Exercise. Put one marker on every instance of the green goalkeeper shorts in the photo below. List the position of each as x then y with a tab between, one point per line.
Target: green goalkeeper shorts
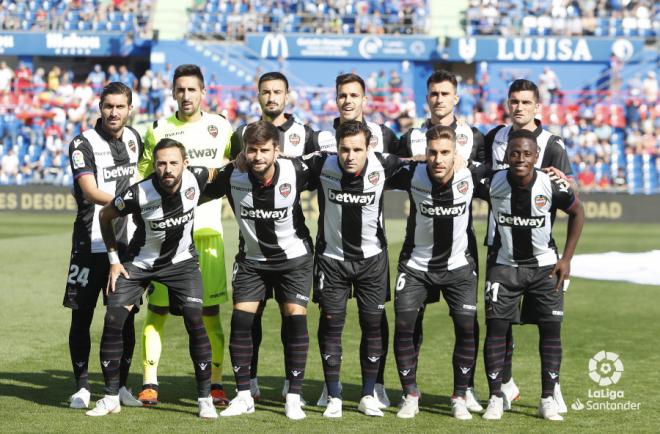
211	248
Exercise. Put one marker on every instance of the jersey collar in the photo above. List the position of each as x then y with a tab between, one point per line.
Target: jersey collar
104	135
290	120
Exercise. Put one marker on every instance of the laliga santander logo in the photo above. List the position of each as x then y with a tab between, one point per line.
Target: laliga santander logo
369	46
605	368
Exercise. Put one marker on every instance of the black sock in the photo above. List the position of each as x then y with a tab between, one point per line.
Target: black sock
284	340
464	354
112	347
494	352
128	336
508	358
550	351
405	351
331	326
200	349
476	351
295	350
80	344
240	347
256	342
385	338
418	334
371	350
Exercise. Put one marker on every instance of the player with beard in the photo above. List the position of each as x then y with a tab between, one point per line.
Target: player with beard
103	162
161	250
524	264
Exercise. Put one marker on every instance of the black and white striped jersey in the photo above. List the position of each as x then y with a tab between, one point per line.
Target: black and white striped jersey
523	217
296	138
469	141
113	163
552	152
270	218
164	221
439	218
350	206
383	138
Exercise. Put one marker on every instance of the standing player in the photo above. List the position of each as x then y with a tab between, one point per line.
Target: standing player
351	257
103	162
525	265
275	251
442	98
523	106
435	258
162	250
206	137
351	98
295	139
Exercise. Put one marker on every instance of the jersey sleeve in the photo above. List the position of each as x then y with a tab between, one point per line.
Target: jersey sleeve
201	175
128	201
401	179
81	157
391	163
556	156
488	145
229	135
236	144
404	149
145	165
481	174
311	145
563	196
478	146
390	141
310	166
325	141
220	185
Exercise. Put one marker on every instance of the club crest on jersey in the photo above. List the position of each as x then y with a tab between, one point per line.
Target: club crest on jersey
462	187
131	146
461	139
540	201
294	139
213	130
285	189
373	177
190	193
373	141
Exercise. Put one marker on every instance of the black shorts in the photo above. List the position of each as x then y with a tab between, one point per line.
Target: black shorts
290	281
183	281
507	286
415	288
87	277
336	281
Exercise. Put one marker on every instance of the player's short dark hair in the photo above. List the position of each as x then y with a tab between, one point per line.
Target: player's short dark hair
522	84
442	75
259	133
523	134
188	70
116	88
441	132
274	75
170	143
352	128
349	78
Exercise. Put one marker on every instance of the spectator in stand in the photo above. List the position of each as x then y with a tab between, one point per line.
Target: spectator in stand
127	77
6	77
9	167
395	82
650	88
54	78
39	81
549	85
96	79
23	78
113	75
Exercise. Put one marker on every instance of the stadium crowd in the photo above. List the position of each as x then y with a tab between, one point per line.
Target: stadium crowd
233	19
563	18
62	15
40	112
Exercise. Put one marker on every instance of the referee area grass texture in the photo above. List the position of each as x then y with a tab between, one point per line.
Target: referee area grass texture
36	378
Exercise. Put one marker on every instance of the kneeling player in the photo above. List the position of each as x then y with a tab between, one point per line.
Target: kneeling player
275	251
526	267
161	250
435	258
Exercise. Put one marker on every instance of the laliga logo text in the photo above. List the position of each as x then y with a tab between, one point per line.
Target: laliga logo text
605	369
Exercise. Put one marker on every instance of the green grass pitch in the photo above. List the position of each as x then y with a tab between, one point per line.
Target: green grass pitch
35	377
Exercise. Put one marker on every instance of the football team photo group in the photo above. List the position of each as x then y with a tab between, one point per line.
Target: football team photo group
148	237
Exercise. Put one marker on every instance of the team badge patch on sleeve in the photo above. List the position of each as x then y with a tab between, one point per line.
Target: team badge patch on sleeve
285	189
374	177
119	203
78	159
190	193
213	130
